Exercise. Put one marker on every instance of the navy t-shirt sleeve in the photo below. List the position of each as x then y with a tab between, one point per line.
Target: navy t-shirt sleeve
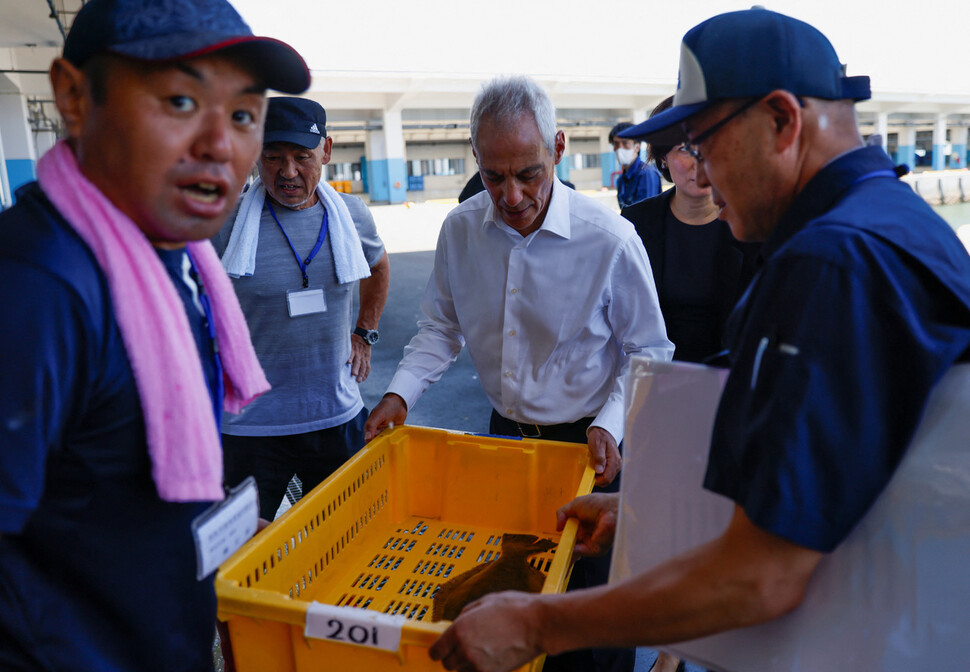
45	361
821	403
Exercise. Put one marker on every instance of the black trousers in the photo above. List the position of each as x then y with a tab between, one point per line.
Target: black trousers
587	572
273	460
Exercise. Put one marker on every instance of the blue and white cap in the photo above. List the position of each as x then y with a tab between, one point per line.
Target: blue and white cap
748	54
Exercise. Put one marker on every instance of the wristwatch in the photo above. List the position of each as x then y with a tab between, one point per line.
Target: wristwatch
370	336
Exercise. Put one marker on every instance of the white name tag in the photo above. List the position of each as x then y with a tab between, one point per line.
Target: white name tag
305	302
354	626
225	527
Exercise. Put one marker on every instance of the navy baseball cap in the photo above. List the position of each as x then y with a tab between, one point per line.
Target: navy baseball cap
748	54
298	120
175	30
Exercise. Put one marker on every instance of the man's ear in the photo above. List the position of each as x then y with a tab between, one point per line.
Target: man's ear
786	114
327	149
560	145
68	83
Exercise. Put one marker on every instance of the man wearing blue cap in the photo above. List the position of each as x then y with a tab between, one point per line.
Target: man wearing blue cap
862	302
297	250
112	387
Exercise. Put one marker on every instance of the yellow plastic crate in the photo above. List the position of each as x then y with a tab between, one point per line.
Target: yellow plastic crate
412	509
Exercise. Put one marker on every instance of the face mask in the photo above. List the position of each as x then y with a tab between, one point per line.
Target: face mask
625	156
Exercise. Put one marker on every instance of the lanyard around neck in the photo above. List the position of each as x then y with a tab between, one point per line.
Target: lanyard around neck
210	322
303	263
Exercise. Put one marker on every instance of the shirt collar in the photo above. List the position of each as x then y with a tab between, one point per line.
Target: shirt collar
633	168
824	190
557	215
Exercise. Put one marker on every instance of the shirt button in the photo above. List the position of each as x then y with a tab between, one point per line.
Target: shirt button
514	291
508	412
511	332
508	374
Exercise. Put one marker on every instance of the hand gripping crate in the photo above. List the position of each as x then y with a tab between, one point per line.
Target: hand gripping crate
361	556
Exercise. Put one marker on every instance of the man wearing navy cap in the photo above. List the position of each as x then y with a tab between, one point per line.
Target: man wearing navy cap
297	250
861	304
112	387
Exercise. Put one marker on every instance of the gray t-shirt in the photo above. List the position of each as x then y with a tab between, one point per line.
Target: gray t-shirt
305	357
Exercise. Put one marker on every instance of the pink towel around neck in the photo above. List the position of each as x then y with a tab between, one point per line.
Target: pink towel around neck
183	440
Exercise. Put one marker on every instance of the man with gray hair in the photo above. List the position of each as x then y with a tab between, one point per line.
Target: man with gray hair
551	291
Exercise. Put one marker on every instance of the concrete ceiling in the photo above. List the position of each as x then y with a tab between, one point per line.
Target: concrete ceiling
29	23
30	37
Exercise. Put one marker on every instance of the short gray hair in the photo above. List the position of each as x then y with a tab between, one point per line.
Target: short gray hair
504	99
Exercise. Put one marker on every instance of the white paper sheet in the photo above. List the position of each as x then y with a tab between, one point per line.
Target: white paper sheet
894	596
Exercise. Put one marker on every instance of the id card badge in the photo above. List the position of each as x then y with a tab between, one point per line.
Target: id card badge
225	527
305	302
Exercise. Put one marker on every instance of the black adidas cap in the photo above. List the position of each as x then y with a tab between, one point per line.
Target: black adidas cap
298	120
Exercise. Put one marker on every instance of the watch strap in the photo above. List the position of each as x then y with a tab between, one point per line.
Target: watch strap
370	336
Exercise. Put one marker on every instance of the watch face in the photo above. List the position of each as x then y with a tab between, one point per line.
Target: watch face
370	336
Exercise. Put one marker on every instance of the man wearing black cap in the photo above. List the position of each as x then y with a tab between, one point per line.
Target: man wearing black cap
861	304
112	386
296	250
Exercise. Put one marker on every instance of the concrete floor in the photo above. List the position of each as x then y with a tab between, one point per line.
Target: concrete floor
457	400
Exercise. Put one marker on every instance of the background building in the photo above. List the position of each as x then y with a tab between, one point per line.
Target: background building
398	80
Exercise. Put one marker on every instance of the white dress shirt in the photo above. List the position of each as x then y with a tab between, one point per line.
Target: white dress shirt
550	319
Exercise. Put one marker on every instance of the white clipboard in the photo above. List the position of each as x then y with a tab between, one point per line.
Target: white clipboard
894	596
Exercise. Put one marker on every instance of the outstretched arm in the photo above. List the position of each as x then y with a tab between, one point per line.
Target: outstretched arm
744	577
391	410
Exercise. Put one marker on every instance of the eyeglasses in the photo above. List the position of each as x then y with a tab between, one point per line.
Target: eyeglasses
692	147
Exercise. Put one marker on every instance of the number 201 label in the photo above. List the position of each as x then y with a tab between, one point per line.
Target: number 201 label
354	626
358	634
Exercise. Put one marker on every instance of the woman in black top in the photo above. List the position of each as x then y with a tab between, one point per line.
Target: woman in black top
700	269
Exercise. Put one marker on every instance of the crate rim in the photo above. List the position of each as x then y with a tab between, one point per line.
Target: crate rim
261	604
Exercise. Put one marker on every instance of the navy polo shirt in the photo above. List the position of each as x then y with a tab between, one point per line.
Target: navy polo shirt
96	572
637	182
861	305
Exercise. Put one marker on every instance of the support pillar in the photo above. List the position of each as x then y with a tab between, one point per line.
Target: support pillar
939	142
44	140
882	128
18	154
386	173
608	164
6	198
958	141
643	114
906	146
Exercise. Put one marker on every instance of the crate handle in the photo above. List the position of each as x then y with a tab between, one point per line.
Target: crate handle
563	557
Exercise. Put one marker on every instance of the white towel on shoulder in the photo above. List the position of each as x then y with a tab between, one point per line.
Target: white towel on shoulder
239	259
